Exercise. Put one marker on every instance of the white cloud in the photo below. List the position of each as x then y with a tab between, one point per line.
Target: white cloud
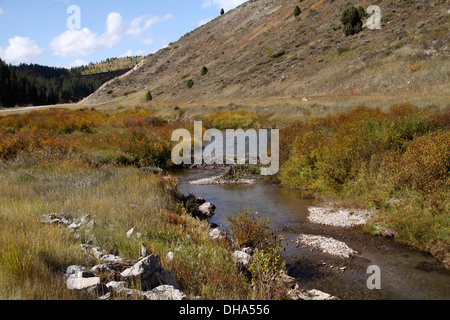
130	53
142	23
225	4
205	21
76	43
78	63
21	50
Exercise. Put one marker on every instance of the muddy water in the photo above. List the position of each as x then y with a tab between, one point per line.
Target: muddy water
405	273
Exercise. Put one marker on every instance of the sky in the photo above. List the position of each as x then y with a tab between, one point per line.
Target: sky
69	33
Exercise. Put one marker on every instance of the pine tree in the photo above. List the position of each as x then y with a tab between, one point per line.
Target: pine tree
148	96
297	11
222	12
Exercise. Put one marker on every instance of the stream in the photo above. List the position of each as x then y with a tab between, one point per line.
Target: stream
405	273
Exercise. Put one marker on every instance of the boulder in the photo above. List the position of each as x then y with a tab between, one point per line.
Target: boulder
71	270
216	234
117	288
242	261
149	274
163	277
241	257
206	211
164	292
143	268
92	285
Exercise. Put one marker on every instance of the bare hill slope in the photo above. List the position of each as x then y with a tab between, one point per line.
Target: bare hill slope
261	52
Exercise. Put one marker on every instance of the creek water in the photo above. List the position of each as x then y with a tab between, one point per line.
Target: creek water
405	273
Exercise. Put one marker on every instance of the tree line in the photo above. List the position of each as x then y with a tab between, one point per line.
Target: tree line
36	85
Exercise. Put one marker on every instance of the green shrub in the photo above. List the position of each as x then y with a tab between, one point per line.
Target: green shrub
204	71
297	11
248	230
361	12
190	83
352	21
148	96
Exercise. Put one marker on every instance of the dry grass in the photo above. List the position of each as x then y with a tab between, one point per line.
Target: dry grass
33	256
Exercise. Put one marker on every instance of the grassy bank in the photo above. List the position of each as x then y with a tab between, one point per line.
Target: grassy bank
75	163
367	156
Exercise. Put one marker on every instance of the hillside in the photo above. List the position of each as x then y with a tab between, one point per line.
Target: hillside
33	84
109	65
259	54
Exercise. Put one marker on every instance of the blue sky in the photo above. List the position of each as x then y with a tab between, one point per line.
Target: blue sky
44	32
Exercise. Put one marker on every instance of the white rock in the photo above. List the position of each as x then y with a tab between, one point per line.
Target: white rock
165	292
242	257
216	234
146	266
327	245
76	283
345	218
130	233
102	268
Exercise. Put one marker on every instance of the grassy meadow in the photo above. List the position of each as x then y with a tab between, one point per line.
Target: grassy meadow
83	162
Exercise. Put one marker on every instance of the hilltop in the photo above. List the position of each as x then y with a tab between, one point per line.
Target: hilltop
259	54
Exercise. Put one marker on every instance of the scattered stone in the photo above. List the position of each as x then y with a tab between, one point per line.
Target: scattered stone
311	295
326	245
130	233
169	257
54	219
345	218
149	274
